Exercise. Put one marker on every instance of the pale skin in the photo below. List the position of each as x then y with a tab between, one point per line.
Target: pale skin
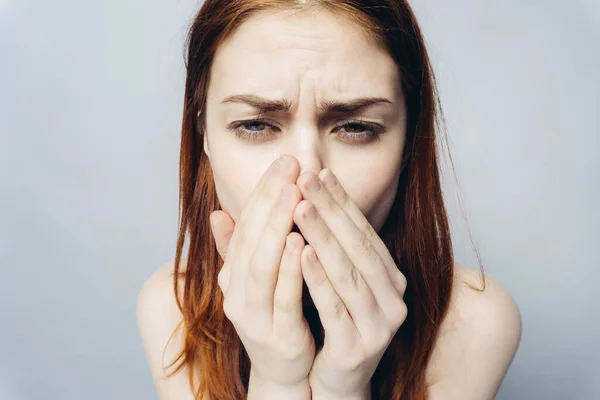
354	283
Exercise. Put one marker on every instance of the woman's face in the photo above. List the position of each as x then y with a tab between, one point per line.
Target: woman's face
307	61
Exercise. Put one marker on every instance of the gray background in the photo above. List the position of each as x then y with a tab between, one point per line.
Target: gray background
90	110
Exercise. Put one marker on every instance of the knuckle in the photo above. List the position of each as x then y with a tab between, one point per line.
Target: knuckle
289	351
322	283
400	281
363	242
354	275
221	279
384	338
230	309
292	353
348	277
370	232
255	333
344	198
353	361
275	226
338	309
327	237
284	305
398	312
330	204
259	271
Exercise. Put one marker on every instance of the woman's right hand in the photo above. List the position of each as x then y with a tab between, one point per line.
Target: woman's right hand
262	282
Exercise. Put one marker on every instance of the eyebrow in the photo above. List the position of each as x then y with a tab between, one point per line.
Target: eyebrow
326	106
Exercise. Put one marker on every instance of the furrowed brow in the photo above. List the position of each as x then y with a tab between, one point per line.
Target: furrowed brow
326	106
351	106
261	104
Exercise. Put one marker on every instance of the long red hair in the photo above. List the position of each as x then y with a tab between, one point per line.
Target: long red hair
416	231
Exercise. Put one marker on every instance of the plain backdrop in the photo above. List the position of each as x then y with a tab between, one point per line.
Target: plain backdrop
90	111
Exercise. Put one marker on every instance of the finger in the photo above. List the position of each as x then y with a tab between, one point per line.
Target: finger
356	243
222	227
254	218
263	268
346	279
333	313
287	300
340	196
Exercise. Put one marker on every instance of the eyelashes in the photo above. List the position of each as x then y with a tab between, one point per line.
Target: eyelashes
355	131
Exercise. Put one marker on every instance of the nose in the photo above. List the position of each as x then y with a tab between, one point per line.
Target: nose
305	144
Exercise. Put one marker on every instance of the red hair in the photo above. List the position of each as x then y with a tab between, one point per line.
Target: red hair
416	231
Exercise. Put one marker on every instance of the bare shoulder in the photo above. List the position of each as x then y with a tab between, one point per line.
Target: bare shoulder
159	320
477	341
156	302
474	297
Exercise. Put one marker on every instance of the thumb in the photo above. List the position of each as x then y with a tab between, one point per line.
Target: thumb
222	226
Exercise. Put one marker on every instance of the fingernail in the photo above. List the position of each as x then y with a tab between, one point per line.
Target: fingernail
281	164
313	184
329	179
311	213
312	257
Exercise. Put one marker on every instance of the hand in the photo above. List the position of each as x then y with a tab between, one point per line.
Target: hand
354	283
262	284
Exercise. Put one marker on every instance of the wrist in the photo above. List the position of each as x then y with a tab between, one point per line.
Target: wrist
320	393
263	389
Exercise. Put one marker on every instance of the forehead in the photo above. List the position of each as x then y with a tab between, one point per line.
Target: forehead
279	53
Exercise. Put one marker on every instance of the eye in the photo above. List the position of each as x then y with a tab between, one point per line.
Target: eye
253	130
354	131
359	131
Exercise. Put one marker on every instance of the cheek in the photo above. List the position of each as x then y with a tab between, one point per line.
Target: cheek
235	171
373	190
234	185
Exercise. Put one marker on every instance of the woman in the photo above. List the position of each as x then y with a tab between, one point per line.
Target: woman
327	274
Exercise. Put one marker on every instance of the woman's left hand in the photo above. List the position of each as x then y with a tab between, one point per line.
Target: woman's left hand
354	283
